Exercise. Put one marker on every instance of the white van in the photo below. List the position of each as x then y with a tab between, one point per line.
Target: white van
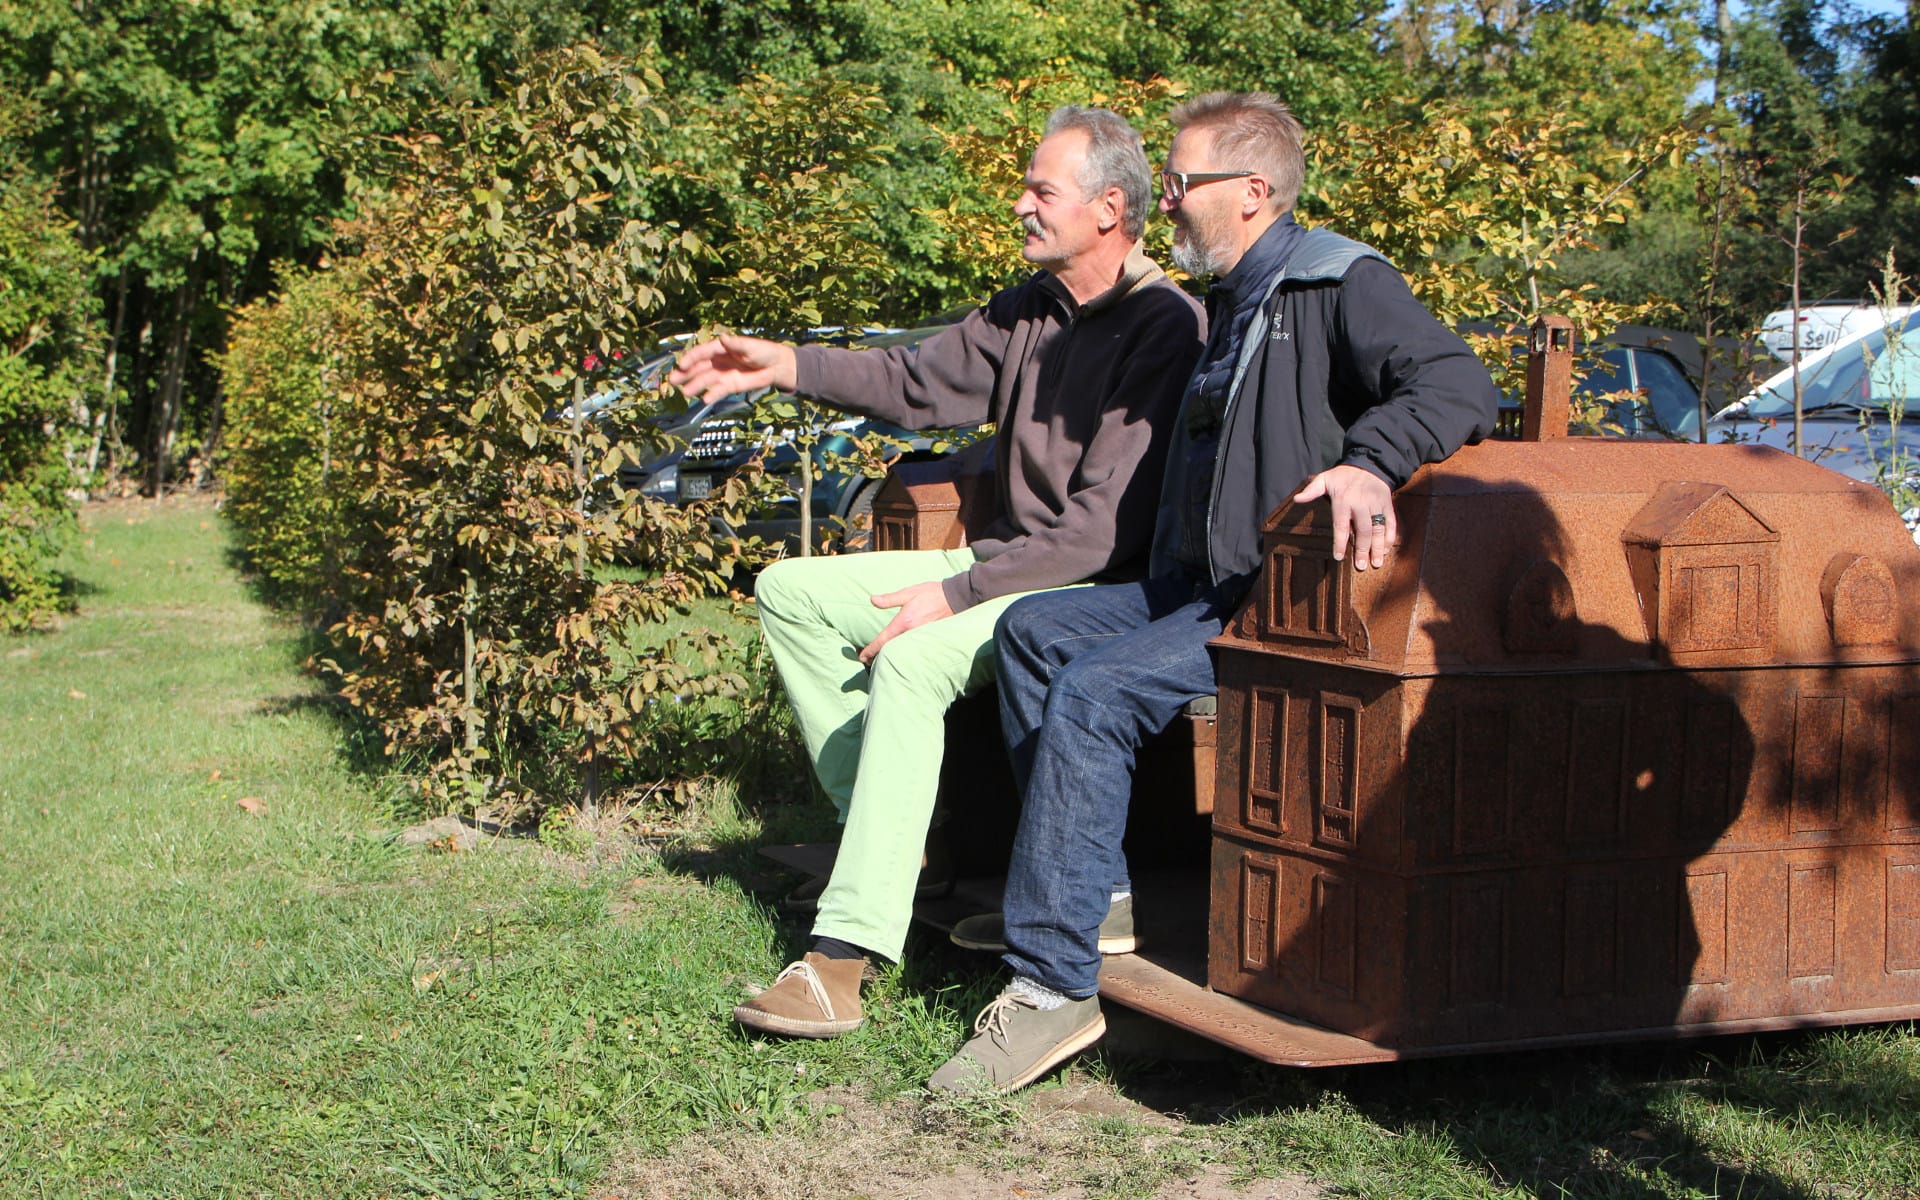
1822	325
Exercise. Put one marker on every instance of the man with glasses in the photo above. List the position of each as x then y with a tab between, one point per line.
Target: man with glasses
1080	369
1322	378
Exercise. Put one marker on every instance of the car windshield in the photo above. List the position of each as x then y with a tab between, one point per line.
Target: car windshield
1646	391
1865	373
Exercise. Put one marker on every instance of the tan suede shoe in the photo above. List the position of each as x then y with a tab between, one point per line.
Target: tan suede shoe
817	997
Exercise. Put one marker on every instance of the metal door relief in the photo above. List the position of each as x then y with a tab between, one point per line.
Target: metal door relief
1903	765
1479	957
1903	913
1337	927
1596	796
1260	900
1819	736
1307	590
1337	781
1704	921
1482	819
1811	927
1707	796
1267	725
1590	939
1718	599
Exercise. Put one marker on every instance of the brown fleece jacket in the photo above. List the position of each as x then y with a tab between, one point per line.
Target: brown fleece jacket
1082	398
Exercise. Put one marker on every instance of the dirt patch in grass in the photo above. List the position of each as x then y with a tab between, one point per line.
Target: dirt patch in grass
1056	1144
146	506
633	901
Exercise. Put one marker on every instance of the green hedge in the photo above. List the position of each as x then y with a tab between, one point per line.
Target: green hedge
280	459
46	325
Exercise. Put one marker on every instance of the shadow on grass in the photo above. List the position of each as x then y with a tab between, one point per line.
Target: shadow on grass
1678	1119
732	852
357	742
940	979
69	590
288	598
1596	1122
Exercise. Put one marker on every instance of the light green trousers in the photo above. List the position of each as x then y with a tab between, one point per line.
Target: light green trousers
875	735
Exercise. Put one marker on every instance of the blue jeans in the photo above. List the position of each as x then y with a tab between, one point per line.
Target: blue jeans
1086	677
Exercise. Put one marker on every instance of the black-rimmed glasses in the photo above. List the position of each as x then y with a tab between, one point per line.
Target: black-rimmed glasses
1174	184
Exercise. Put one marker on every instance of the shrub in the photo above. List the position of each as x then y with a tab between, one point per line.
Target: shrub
47	327
798	233
481	629
280	458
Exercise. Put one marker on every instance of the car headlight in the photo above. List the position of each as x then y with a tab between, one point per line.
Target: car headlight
664	484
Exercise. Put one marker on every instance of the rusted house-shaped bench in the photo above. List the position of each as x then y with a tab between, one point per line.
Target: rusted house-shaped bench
1623	743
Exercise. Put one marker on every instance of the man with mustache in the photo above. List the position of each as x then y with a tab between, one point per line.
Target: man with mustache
1322	378
1080	369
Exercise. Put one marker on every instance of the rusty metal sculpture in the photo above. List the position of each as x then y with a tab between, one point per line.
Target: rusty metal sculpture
1626	740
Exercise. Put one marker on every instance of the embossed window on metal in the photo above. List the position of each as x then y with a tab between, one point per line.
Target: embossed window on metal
1706	569
1306	593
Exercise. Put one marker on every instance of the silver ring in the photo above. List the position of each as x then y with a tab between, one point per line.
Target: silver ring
1379	518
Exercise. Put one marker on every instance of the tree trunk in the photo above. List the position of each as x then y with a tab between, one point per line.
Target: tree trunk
166	423
1710	284
103	421
168	408
469	687
217	407
806	501
580	474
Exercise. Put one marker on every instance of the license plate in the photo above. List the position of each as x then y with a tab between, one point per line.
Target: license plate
696	487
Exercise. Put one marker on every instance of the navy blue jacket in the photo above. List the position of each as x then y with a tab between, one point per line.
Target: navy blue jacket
1340	364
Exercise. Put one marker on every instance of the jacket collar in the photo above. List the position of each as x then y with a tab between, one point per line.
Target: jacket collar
1262	261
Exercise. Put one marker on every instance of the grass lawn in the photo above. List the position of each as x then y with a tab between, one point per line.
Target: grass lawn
222	975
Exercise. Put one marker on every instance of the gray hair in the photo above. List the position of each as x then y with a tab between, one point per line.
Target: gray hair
1252	131
1115	158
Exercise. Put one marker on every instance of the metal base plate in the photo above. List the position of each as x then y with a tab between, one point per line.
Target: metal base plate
1167	980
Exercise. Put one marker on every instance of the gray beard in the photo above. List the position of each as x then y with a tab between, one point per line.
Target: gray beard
1193	258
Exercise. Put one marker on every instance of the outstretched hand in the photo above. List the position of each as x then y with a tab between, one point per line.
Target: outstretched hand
921	604
732	363
1358	497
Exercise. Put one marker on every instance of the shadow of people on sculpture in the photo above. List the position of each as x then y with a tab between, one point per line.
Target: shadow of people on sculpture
1475	814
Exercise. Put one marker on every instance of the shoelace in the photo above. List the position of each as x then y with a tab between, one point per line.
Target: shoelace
992	1021
815	988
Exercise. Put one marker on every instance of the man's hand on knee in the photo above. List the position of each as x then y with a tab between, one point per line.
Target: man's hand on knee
921	604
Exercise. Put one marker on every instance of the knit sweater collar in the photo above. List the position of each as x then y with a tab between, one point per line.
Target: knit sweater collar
1136	271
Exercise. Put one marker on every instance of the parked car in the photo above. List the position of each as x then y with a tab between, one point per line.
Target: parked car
657	475
1665	400
1660	367
1859	401
725	438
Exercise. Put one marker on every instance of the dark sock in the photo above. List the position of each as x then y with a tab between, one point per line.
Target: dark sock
834	948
